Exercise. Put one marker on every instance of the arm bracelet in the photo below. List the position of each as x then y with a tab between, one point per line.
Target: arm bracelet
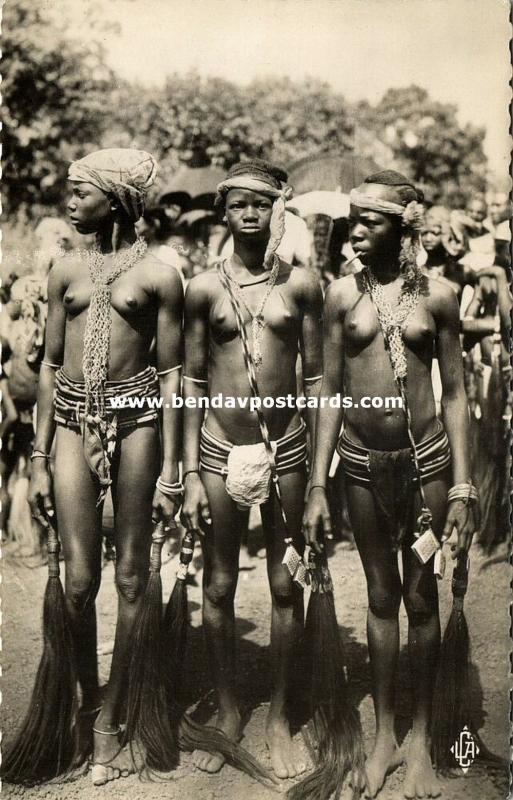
39	454
463	491
190	472
167	371
169	489
199	381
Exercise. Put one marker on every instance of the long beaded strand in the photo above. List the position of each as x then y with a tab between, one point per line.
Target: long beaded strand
257	318
392	320
99	319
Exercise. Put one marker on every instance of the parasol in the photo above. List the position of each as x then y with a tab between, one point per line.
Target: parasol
332	204
190	217
197	185
329	172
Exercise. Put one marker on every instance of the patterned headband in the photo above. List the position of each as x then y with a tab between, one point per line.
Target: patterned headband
412	213
277	223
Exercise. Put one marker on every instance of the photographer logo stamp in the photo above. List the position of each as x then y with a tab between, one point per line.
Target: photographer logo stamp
465	749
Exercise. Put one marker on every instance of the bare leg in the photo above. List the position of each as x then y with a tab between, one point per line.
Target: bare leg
286	620
79	524
421	601
221	545
134	482
384	593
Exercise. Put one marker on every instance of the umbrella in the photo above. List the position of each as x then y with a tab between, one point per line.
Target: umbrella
329	172
190	217
332	204
197	184
181	199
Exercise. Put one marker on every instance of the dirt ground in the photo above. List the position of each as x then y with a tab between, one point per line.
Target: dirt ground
487	610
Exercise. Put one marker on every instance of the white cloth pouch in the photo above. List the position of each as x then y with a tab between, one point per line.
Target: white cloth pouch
248	480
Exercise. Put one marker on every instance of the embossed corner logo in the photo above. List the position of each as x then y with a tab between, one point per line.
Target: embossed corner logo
465	749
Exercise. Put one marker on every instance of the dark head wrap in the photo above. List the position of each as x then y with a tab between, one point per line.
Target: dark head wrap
409	209
262	177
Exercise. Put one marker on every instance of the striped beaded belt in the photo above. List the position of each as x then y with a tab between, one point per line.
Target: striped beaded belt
434	455
70	399
99	430
291	451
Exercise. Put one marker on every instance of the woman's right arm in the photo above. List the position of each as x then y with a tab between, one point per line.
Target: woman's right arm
195	387
40	497
328	420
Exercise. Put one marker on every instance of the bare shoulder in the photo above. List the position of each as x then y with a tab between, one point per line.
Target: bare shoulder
344	292
442	298
299	276
163	276
202	287
204	283
302	280
63	270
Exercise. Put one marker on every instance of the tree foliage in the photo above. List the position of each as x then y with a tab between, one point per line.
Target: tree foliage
194	120
53	92
428	143
60	101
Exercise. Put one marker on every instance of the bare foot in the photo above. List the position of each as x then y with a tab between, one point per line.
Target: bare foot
106	743
110	761
384	758
420	780
286	762
229	723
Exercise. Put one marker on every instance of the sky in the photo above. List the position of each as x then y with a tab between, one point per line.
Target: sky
457	49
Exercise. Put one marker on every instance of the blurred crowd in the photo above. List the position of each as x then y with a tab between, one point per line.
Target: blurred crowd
469	248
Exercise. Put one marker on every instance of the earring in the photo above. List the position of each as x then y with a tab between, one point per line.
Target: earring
225	219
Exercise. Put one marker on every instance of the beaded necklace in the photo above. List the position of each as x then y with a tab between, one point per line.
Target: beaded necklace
257	318
393	320
99	319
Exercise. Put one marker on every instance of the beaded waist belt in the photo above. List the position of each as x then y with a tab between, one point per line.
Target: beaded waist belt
433	453
70	398
99	431
291	451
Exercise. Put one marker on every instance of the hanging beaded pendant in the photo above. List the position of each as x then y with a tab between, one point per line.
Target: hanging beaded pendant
392	320
257	319
99	318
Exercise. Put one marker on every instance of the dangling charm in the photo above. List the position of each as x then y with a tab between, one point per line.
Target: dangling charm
257	318
257	326
291	558
426	544
294	563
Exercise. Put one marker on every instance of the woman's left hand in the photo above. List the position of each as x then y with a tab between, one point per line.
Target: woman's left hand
465	516
165	508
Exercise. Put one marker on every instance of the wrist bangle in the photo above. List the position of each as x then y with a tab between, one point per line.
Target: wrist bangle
317	486
190	472
169	489
38	454
463	491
